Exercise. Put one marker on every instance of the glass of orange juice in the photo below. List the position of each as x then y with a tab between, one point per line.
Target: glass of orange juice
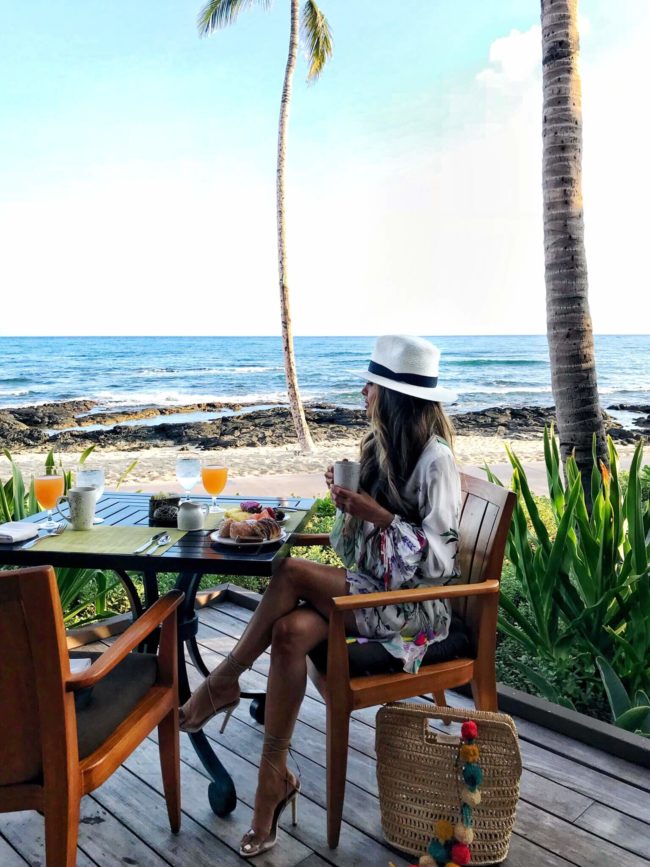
214	478
48	487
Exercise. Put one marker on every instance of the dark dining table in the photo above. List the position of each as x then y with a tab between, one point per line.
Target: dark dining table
191	557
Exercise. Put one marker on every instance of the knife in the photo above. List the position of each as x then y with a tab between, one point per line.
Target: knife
148	543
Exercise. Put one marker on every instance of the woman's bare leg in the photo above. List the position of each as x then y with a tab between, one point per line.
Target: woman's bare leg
294	581
293	636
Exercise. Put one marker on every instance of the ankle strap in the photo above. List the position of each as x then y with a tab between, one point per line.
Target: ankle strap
273	745
237	667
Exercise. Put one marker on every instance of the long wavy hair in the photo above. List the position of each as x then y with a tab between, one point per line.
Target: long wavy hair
400	428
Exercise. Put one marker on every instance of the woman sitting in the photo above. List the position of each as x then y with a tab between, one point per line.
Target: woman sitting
399	531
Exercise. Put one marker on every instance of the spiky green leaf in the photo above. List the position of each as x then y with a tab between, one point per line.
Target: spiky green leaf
317	35
619	700
221	13
85	454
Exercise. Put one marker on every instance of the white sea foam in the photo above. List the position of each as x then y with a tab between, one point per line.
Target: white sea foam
165	372
504	389
168	398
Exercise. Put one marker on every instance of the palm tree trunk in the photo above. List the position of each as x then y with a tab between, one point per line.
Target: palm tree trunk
298	413
569	330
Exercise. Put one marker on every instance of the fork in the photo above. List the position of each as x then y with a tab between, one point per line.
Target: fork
60	527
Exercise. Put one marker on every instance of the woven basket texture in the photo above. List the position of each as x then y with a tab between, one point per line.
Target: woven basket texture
419	772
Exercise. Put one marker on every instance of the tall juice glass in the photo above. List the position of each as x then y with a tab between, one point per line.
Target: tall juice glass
47	488
214	480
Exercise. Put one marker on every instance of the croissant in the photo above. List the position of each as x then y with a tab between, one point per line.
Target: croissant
224	530
271	528
251	531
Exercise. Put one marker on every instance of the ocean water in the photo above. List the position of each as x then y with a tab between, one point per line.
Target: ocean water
133	372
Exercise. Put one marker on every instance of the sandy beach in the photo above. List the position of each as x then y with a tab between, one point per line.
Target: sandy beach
282	470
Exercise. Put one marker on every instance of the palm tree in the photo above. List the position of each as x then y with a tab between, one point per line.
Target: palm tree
569	331
318	38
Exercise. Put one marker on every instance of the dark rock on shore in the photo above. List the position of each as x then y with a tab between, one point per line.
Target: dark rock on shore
26	428
264	427
525	423
642	422
52	415
632	407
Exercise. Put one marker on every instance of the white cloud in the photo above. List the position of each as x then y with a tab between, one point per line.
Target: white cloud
442	236
516	57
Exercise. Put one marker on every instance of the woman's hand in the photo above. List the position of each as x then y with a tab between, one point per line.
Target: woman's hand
329	476
361	505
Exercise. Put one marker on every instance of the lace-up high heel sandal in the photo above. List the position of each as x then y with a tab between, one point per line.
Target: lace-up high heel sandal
254	843
204	701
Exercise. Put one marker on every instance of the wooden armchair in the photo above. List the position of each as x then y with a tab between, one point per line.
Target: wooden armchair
340	671
51	752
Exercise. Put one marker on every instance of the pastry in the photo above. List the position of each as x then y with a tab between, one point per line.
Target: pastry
252	530
270	527
224	530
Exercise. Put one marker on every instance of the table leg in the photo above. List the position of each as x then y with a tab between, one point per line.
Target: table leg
134	598
221	791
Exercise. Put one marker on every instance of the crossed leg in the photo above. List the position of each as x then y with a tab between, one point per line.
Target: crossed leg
295	581
292	632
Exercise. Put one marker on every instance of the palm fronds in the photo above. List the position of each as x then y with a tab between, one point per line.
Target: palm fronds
318	36
221	13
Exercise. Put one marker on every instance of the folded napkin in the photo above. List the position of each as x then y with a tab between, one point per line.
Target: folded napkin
17	531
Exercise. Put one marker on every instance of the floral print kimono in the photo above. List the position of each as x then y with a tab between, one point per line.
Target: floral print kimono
406	555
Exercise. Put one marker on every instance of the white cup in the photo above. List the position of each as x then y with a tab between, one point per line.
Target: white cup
81	502
191	516
347	474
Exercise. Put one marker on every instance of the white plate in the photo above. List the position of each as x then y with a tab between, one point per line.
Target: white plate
252	544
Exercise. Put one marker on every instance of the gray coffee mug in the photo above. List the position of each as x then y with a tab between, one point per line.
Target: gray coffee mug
81	502
347	474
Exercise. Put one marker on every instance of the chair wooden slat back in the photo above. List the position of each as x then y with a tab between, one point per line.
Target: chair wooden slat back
32	644
20	753
485	518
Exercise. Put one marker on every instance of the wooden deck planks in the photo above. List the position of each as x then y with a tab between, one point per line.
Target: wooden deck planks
8	855
25	832
561	787
578	806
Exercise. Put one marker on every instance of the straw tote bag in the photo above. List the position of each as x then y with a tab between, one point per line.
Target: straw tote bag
420	776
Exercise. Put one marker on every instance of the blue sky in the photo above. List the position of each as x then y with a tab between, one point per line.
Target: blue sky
137	163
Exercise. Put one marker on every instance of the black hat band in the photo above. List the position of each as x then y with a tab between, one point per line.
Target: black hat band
407	378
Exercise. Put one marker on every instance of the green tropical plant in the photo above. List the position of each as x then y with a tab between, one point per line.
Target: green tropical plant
634	716
585	581
317	36
18	501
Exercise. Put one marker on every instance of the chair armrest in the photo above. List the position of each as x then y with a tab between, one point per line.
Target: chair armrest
308	539
423	594
134	635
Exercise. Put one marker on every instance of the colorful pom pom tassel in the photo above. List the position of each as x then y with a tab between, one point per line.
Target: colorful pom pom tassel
469	753
473	776
460	854
444	830
466	814
463	834
427	861
471	798
438	852
469	730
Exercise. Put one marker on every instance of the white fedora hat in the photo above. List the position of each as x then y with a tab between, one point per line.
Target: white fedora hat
408	365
